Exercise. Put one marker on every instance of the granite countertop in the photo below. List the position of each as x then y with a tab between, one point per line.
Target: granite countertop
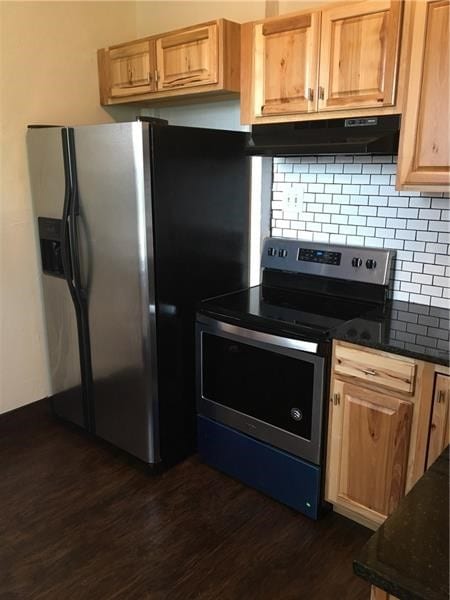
409	554
414	330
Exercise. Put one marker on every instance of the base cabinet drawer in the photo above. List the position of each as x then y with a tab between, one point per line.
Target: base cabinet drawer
389	372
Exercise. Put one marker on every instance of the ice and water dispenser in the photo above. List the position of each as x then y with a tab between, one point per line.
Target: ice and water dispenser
50	231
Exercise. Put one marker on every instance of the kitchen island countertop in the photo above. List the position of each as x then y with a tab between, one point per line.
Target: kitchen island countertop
408	556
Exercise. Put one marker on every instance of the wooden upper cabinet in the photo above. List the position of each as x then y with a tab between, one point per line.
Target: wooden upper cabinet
131	69
359	53
439	428
424	151
342	59
195	61
286	65
368	450
188	58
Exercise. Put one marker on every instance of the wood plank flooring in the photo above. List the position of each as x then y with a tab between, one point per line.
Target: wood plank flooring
79	521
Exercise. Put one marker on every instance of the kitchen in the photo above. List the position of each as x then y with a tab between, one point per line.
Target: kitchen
59	71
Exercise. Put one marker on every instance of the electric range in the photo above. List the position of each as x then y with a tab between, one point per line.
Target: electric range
263	362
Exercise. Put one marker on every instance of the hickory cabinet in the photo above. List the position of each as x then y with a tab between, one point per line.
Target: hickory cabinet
439	428
379	435
316	64
202	60
424	151
131	69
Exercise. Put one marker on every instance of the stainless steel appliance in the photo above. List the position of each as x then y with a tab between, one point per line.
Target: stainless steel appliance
263	361
136	223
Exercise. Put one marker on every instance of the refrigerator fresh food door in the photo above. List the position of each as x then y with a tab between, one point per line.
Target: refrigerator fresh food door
116	248
48	188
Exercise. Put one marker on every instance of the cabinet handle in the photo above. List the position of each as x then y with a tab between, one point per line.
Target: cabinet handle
310	94
321	92
369	372
441	396
156	76
336	399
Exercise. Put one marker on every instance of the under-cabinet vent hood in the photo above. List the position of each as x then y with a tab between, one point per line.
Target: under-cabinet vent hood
366	135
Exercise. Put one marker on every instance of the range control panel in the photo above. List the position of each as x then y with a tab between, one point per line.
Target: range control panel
319	256
370	265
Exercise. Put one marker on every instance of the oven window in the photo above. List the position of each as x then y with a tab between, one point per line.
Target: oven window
272	387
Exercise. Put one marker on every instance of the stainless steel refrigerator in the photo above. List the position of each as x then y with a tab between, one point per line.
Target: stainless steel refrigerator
136	223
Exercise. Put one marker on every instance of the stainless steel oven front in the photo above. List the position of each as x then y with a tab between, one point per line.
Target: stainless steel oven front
270	387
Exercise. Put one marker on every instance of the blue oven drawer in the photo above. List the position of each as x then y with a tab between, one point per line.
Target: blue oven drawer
286	478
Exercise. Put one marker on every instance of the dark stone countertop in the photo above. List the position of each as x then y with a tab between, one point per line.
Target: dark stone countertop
409	554
413	330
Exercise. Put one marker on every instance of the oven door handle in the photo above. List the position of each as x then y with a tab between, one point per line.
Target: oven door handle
259	336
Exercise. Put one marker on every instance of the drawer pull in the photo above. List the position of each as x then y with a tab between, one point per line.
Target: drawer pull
369	372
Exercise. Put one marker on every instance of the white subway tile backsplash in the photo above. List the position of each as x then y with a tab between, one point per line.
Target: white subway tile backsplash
429	213
349	210
404	234
380	179
373	242
370	190
340	219
372	169
367	211
443	225
337	239
353	168
350	189
434	269
442	281
427	236
420	202
376	221
352	200
437	248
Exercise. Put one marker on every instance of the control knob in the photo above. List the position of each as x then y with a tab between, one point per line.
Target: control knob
371	263
356	262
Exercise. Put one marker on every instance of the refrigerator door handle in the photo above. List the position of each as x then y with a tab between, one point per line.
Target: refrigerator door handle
71	263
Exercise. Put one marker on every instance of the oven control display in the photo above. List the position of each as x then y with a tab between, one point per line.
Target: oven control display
319	256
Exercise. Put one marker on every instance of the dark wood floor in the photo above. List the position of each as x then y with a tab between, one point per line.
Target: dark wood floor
78	521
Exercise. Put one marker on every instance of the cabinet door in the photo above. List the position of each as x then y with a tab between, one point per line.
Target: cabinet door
368	450
359	54
439	429
189	58
424	151
131	69
285	67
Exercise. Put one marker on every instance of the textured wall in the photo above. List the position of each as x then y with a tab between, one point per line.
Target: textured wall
48	75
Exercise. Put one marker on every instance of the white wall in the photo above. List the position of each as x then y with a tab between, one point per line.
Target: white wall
48	75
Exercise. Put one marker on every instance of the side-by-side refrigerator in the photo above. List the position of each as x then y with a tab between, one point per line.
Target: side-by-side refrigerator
136	223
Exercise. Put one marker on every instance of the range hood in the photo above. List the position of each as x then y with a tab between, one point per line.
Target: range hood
367	135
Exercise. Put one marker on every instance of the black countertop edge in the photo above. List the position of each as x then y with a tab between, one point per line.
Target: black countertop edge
408	556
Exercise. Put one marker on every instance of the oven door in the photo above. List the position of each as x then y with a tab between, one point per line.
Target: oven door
267	386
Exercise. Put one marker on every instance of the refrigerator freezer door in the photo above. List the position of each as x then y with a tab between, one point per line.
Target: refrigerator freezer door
46	168
115	230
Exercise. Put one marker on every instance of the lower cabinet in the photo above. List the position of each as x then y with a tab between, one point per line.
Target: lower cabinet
377	594
379	436
439	429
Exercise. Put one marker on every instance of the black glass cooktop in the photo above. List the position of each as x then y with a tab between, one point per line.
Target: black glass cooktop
314	316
